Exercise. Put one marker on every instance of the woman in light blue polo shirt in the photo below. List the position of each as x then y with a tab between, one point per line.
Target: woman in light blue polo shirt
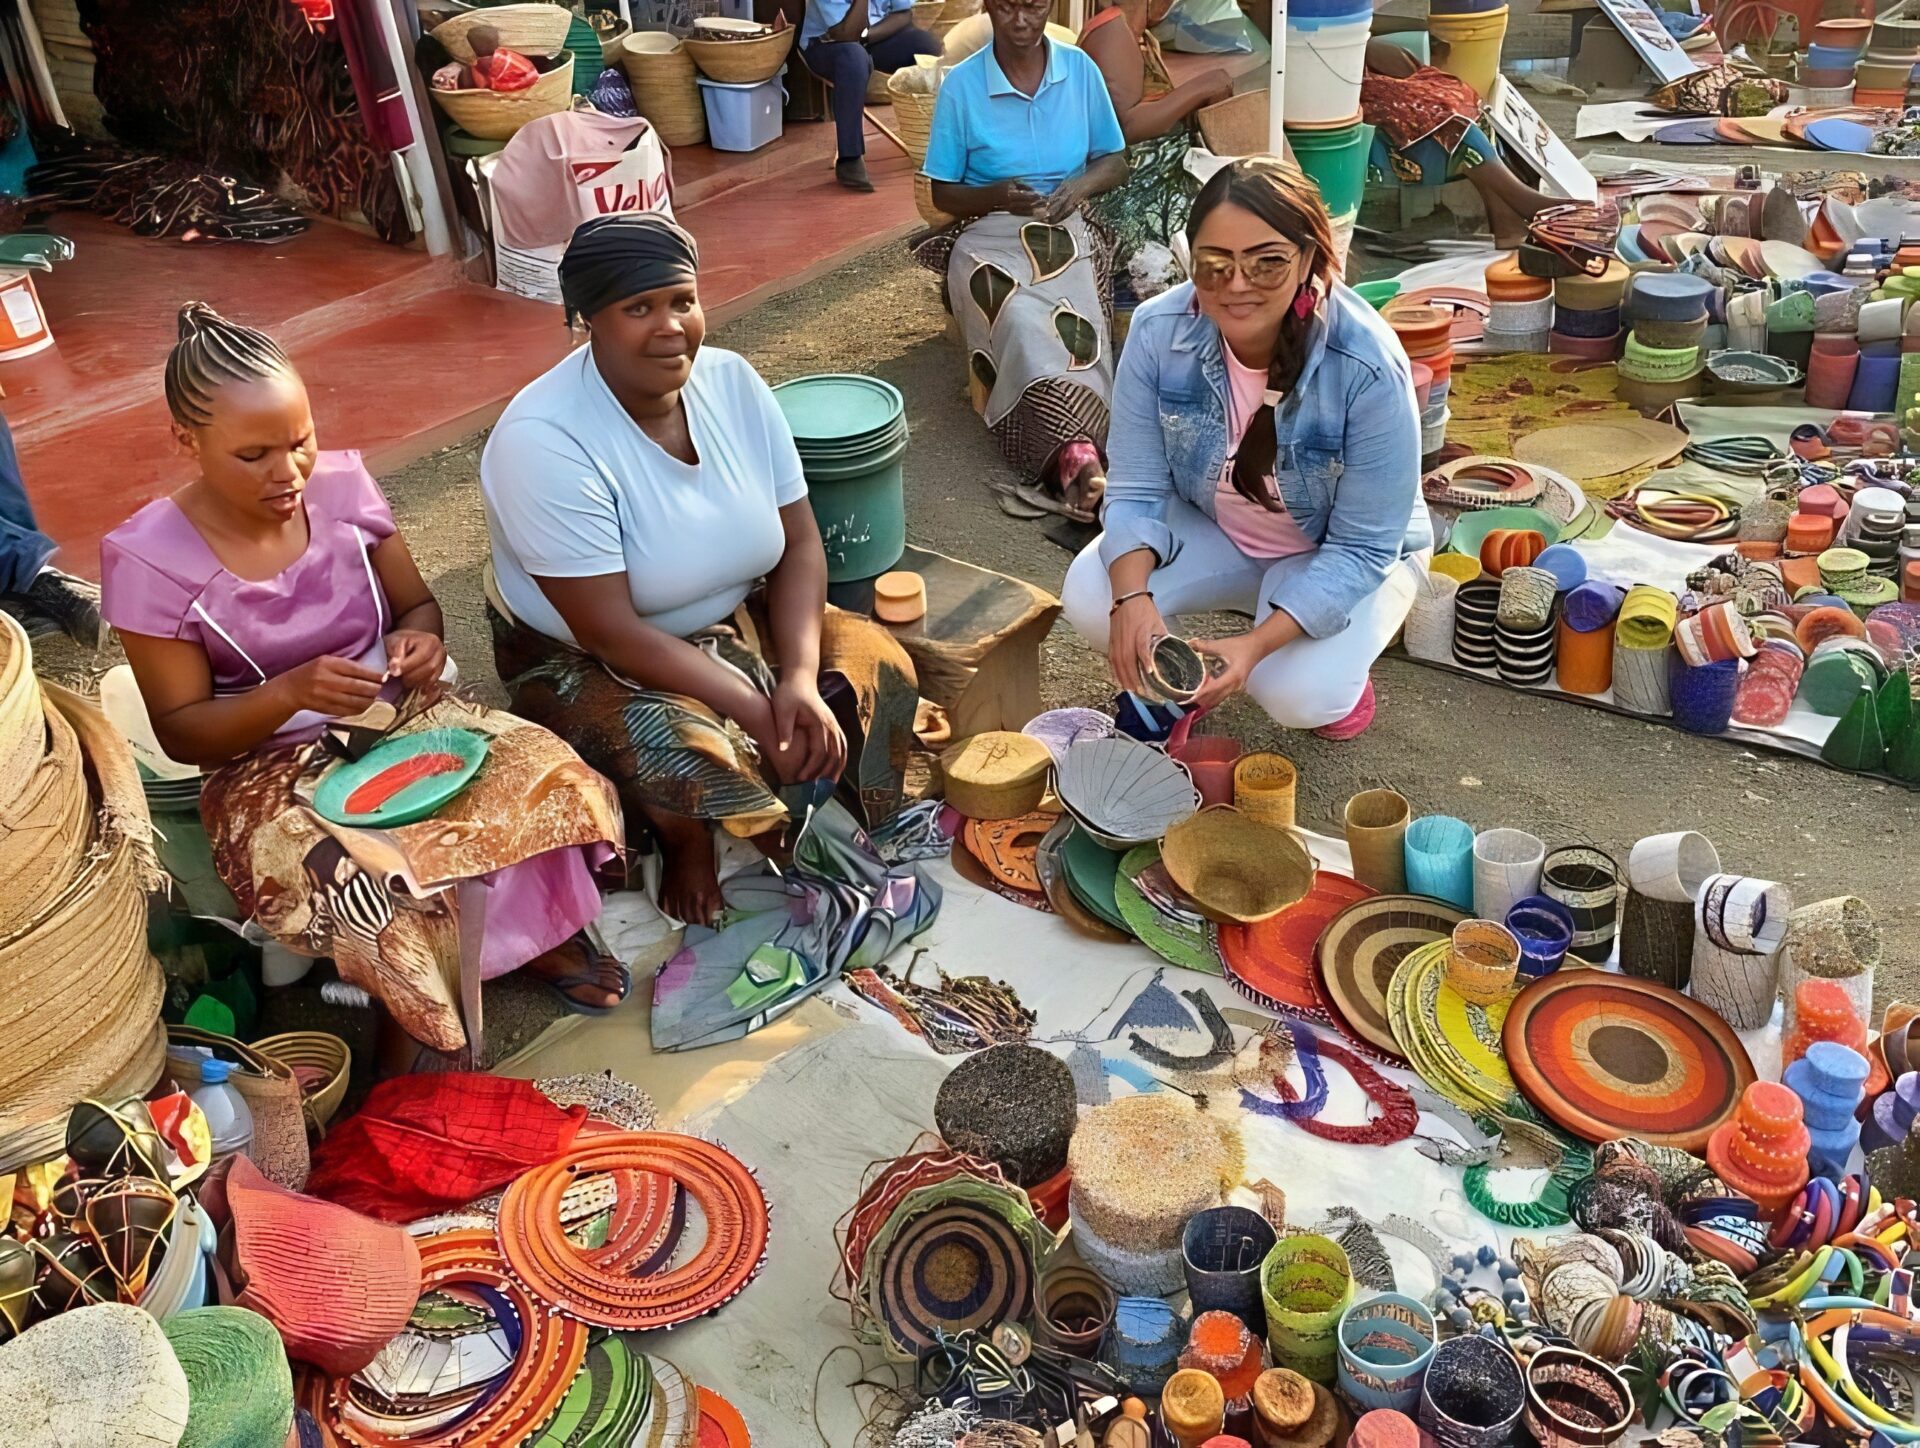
1024	134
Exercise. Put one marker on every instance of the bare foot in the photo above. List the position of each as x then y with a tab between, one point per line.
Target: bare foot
1082	495
689	879
1509	227
587	979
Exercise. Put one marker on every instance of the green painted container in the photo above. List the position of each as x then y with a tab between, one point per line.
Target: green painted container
1378	294
851	434
1337	161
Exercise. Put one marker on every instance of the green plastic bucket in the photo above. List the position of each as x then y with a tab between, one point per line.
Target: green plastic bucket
1378	294
851	434
1337	161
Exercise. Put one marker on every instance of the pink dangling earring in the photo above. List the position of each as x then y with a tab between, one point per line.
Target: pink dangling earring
1303	301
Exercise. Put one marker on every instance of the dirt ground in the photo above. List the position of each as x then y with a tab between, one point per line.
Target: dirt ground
1451	745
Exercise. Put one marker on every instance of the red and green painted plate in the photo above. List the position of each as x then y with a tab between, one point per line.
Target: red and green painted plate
401	780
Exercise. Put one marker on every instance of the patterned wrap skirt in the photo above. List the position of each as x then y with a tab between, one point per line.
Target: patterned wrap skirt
405	913
1034	302
672	754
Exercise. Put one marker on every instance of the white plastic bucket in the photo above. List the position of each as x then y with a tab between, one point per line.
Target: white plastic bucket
23	322
1325	63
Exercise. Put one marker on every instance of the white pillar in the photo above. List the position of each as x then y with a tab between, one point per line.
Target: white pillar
1277	80
436	231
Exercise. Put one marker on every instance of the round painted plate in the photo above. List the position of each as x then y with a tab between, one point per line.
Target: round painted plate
1359	952
721	1425
1059	890
1172	930
1091	869
1271	963
1471	530
956	1266
1453	1043
1838	134
401	780
1607	1055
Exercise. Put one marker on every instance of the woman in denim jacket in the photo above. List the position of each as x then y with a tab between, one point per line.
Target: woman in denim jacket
1265	460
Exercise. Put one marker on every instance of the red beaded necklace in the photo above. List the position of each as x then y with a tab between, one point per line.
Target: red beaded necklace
1398	1118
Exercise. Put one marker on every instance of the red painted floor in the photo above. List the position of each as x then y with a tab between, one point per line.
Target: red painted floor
400	354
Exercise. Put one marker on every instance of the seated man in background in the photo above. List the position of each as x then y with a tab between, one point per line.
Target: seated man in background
42	597
845	42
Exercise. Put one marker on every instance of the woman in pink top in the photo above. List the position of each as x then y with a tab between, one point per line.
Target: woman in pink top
273	596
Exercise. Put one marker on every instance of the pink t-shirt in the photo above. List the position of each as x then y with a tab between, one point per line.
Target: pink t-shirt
1254	531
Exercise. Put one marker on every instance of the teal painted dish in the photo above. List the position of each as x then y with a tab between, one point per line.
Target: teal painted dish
1164	919
402	780
1470	529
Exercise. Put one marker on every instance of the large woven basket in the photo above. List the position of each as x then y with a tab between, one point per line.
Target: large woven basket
314	1051
530	29
81	993
912	117
666	87
23	737
497	115
45	828
613	45
926	13
742	62
1234	867
923	202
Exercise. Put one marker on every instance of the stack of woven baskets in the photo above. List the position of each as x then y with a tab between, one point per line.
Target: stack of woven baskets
79	993
666	88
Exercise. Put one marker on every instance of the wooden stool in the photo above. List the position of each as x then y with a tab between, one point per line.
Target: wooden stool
977	650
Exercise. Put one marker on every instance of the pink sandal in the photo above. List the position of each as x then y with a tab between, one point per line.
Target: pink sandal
1356	723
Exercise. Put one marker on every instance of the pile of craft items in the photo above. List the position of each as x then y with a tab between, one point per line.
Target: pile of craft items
1062	1263
467	1259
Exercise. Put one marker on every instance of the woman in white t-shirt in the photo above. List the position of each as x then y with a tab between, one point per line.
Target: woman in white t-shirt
658	587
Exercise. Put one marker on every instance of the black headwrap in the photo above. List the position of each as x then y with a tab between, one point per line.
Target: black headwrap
613	257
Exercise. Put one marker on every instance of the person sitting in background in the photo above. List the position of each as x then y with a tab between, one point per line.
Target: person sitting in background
1156	118
845	42
1426	127
1266	461
36	593
1023	137
274	595
659	588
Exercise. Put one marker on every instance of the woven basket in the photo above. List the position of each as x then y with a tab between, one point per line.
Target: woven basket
44	829
272	1094
319	1051
497	115
1264	788
1430	622
613	46
742	62
1236	869
923	202
997	775
666	87
23	738
530	29
926	13
912	117
82	992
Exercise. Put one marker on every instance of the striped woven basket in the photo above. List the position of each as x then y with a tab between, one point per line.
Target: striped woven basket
311	1056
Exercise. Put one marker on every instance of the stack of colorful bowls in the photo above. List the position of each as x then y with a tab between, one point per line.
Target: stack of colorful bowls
1426	336
1334	154
1667	317
1520	310
1586	314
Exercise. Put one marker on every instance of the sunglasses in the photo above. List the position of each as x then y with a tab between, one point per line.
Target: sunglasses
1213	271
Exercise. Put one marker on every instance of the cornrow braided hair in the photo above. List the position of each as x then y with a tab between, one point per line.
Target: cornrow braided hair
210	353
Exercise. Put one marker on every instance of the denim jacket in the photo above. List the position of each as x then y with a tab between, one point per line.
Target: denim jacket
1347	465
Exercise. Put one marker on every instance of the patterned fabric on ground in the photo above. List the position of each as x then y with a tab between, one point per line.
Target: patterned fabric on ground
1497	400
384	903
785	933
671	753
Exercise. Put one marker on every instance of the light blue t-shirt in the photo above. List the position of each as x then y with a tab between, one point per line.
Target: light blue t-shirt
985	130
823	15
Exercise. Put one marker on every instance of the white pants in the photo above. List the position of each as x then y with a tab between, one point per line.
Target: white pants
1302	685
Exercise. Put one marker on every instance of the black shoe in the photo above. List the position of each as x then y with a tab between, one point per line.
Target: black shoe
59	602
852	174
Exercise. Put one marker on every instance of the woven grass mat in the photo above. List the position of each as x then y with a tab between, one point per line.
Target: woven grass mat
1497	400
